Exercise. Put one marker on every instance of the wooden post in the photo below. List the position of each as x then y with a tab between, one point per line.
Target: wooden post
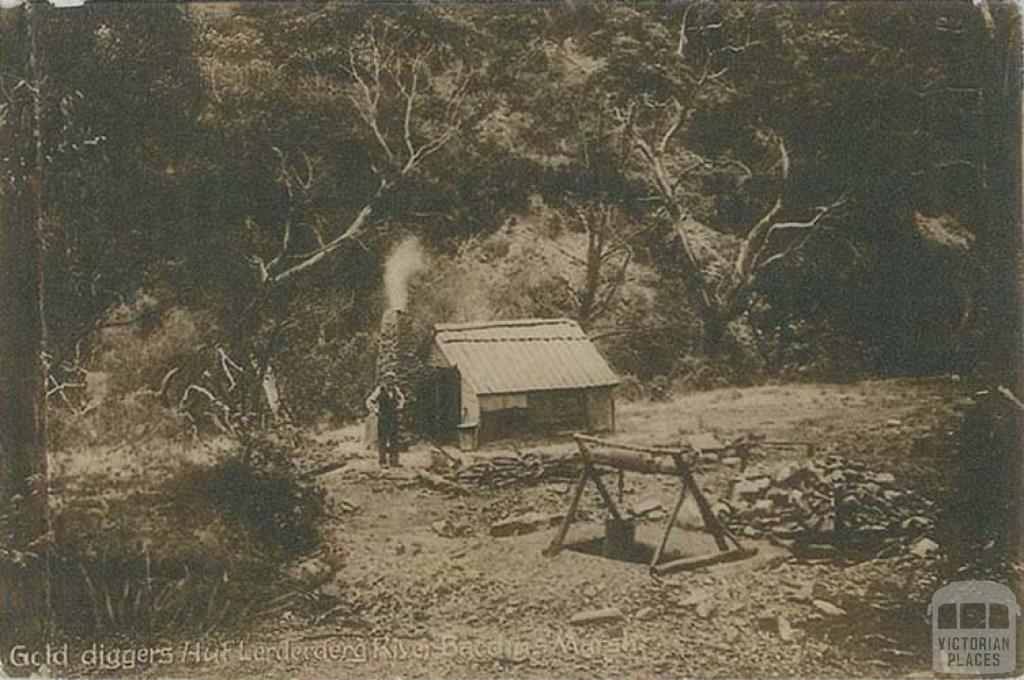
669	524
691	563
710	521
605	496
649	461
556	543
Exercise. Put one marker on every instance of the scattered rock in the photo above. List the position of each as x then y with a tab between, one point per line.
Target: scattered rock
767	623
819	591
439	483
750	489
705	608
694	598
707	457
803	593
348	506
924	547
797	506
334	588
311	573
827	608
732	461
786	631
704	442
647	506
915	523
442	460
896	653
644	614
443	527
592	616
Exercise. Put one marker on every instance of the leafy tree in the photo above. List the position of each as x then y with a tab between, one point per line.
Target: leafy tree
351	129
794	174
121	88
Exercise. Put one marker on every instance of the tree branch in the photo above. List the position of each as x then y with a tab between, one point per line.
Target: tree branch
754	241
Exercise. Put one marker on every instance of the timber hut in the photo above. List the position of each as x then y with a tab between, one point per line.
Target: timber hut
502	379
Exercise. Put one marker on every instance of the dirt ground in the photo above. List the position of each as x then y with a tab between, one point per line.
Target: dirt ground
423	590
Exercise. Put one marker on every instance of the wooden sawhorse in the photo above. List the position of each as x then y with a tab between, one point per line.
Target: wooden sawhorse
648	461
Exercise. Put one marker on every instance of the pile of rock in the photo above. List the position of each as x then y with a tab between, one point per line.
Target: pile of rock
833	502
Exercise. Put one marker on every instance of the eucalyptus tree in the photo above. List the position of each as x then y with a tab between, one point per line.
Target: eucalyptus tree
333	120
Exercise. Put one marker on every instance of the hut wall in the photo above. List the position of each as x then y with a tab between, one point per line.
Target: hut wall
515	415
558	409
601	409
470	403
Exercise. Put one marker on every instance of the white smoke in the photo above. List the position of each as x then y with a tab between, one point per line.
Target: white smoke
405	260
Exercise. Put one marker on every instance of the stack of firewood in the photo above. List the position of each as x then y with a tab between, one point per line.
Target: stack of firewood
503	471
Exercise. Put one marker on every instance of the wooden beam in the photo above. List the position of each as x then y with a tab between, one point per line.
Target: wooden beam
605	496
691	563
633	462
629	447
669	524
649	461
711	522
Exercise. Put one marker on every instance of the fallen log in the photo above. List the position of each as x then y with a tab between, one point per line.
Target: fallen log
691	563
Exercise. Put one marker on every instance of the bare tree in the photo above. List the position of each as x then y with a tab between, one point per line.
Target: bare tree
604	265
410	103
652	129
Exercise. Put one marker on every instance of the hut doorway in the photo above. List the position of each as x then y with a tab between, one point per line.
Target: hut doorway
447	400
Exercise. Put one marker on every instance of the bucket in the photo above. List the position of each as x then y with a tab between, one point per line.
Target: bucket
619	537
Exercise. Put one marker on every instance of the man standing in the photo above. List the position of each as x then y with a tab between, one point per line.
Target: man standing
387	401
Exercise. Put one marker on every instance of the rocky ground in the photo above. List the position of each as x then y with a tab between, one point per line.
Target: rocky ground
417	585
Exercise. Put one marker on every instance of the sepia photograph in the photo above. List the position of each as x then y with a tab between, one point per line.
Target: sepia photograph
511	339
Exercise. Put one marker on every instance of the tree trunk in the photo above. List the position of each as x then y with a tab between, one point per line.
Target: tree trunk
1002	166
272	393
714	332
24	518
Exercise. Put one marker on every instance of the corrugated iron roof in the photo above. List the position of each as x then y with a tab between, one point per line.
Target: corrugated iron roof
524	355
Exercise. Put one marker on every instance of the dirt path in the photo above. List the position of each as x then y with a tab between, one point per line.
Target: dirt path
416	603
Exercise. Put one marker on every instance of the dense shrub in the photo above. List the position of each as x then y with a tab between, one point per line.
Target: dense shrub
260	488
132	417
982	522
330	378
